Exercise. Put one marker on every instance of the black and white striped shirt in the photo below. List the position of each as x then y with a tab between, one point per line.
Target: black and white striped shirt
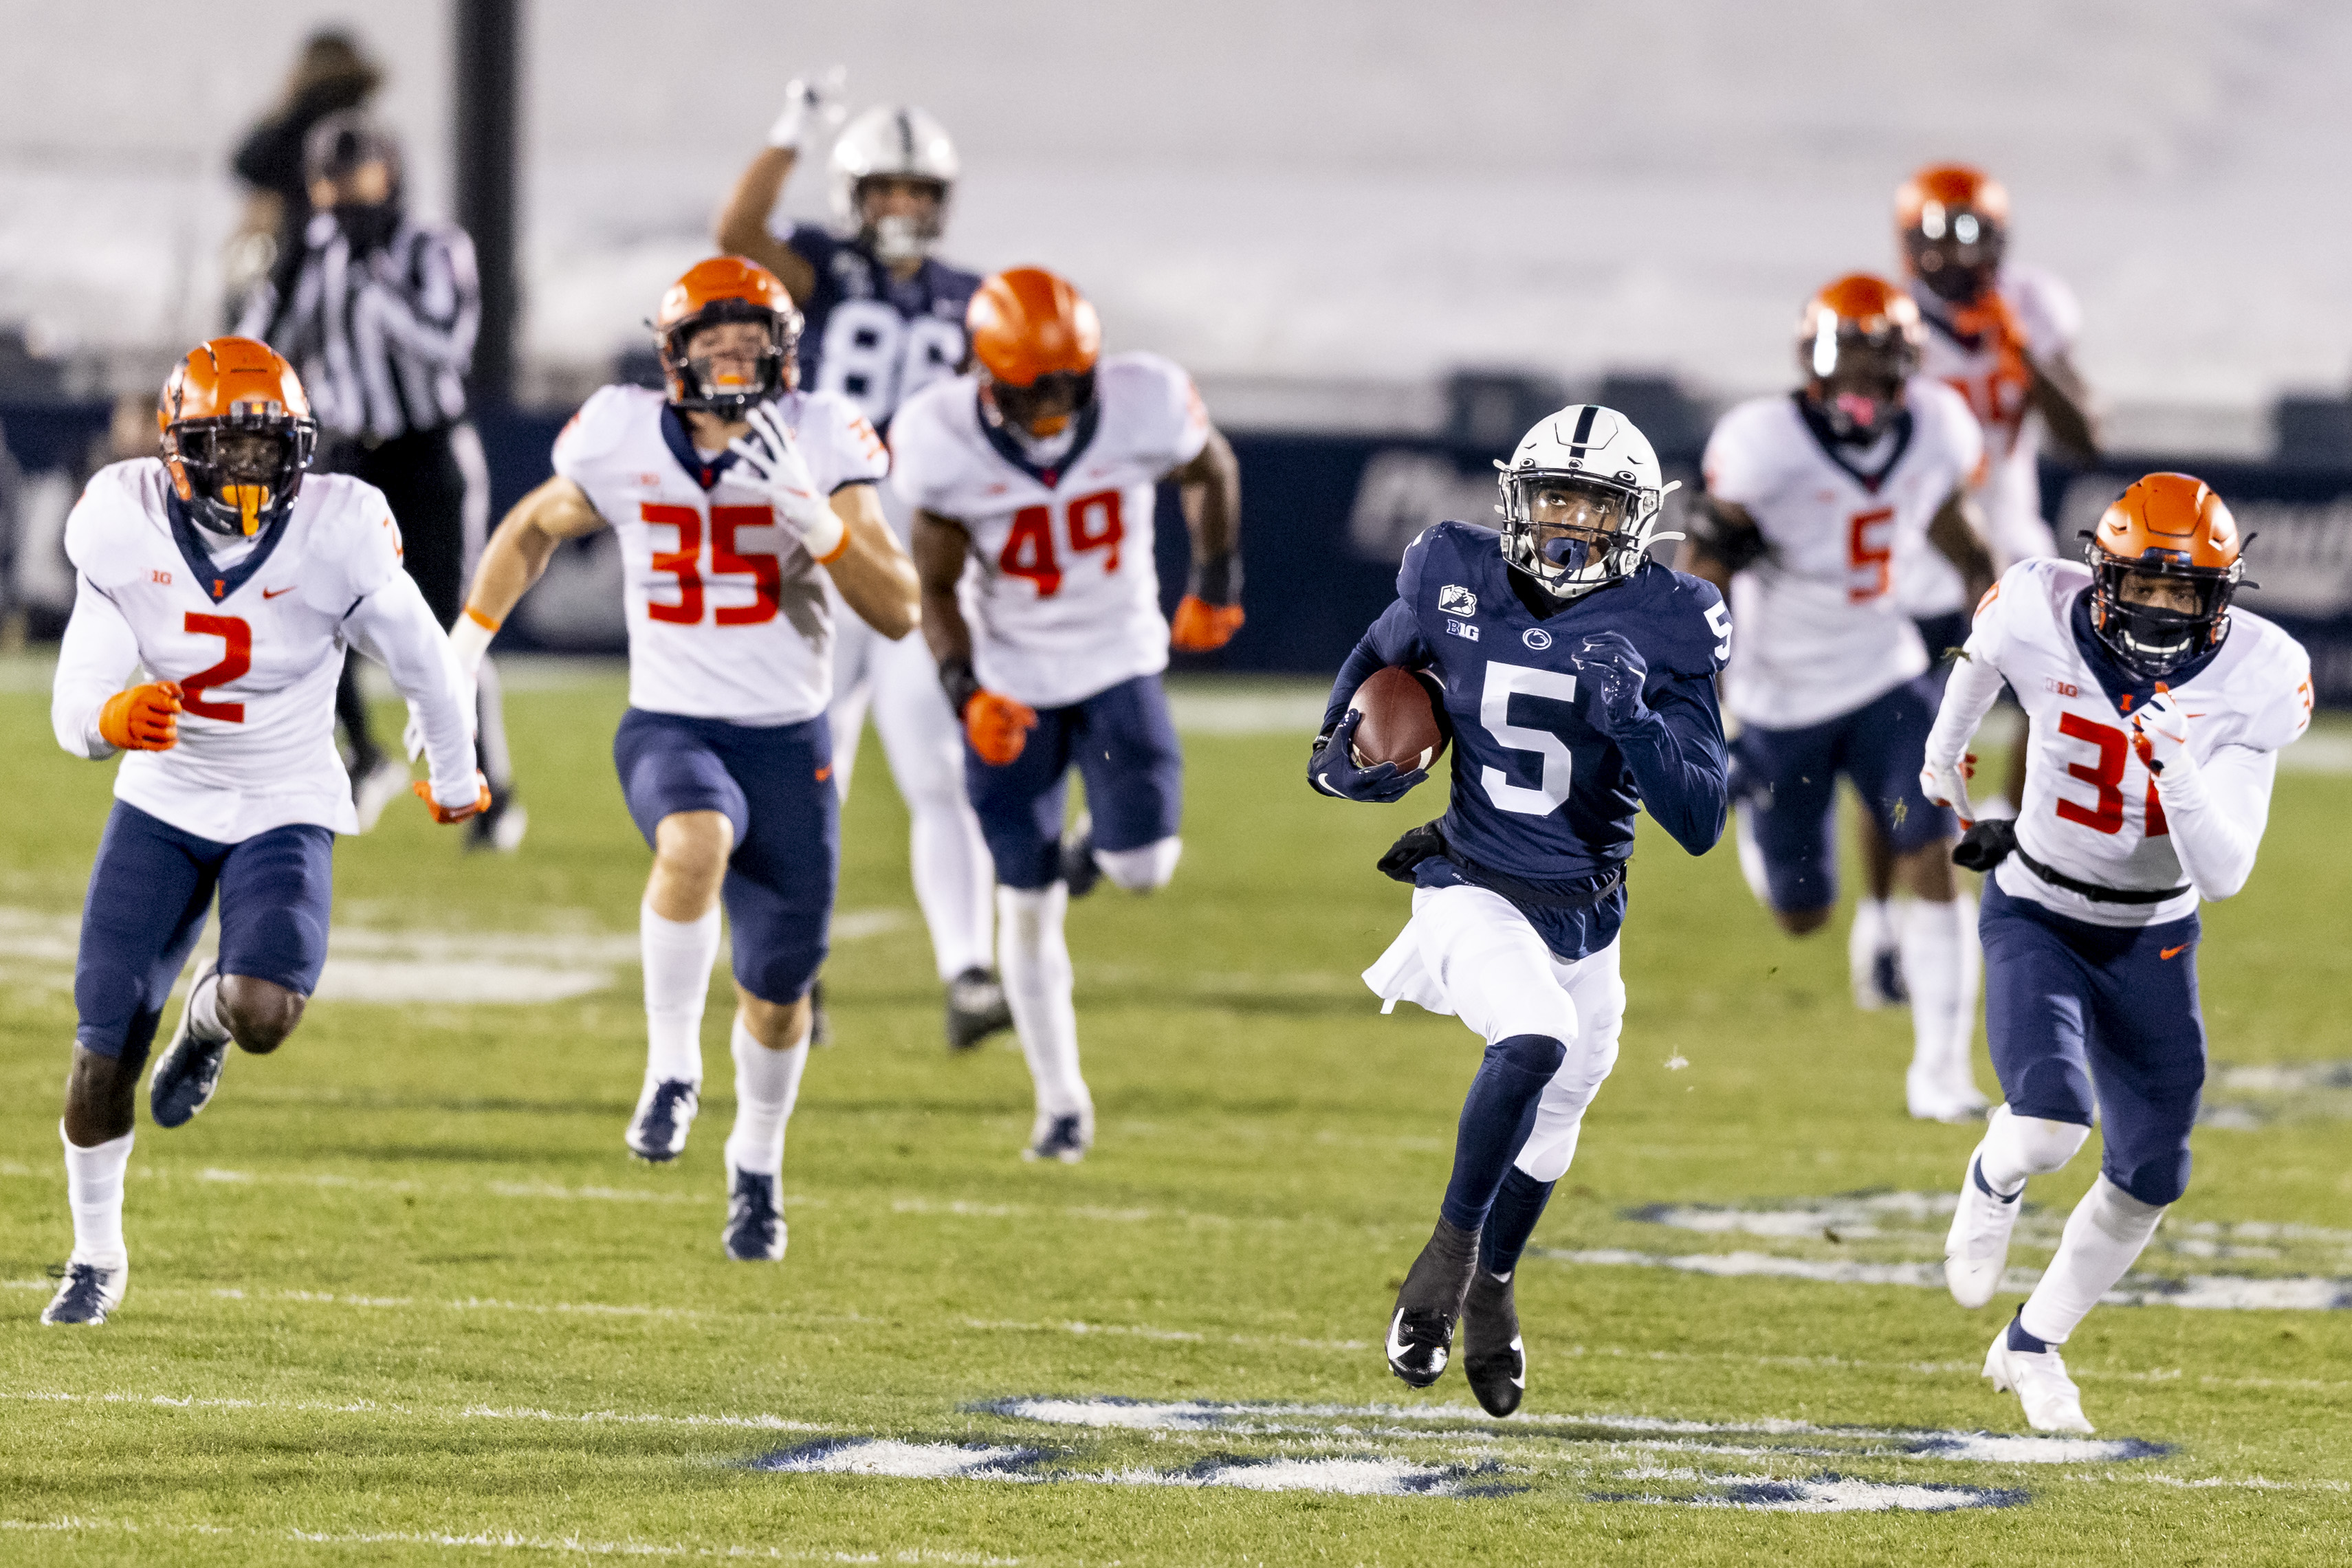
382	342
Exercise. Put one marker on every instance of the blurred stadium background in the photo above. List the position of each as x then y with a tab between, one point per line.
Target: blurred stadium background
1380	237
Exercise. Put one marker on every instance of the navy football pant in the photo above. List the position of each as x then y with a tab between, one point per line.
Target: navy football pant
1785	781
149	893
773	785
1122	743
2081	1014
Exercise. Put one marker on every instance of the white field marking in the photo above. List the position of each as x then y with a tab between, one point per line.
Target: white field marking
1355	1475
1199	710
1835	1494
911	1461
635	1418
2214	1292
2201	1483
2318	752
385	980
2285	1078
757	1422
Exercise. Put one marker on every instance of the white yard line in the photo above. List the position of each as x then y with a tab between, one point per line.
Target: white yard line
496	1539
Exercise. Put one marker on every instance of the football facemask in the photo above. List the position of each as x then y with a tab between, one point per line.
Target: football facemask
2150	639
1955	252
1046	408
724	381
1857	381
243	471
1572	531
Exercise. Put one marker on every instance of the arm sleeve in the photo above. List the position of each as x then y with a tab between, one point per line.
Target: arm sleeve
394	626
1975	682
1393	639
2216	813
99	653
437	316
1680	765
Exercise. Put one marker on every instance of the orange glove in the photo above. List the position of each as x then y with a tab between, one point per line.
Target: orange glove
1202	627
998	727
445	815
143	718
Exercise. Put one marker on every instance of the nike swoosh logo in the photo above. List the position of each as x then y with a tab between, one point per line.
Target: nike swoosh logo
1397	1348
274	592
2171	952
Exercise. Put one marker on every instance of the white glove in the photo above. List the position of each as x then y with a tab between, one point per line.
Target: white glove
2160	736
809	105
771	459
1947	784
470	643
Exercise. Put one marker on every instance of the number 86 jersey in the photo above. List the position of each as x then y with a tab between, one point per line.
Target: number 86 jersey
1062	593
727	613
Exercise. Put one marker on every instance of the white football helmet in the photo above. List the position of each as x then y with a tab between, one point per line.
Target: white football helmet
1581	496
894	139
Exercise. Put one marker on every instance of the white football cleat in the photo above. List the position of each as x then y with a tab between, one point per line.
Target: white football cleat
1976	1250
87	1293
2038	1378
1960	1085
377	788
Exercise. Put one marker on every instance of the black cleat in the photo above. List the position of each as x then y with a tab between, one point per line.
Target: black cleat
755	1220
502	827
664	1112
976	1009
1493	1357
189	1072
1063	1138
1079	872
820	1021
1421	1333
86	1294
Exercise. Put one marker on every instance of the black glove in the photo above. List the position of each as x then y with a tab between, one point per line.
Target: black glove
1612	670
1985	845
1332	769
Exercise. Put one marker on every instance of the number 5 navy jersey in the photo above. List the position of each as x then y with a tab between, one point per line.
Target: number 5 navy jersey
870	336
1540	793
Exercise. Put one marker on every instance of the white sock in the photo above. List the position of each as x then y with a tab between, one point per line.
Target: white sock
953	877
766	1082
1932	936
204	1010
1034	960
2016	1147
2105	1237
94	1192
1963	1043
1873	925
679	954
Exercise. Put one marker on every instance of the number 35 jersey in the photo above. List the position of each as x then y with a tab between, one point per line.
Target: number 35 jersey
1062	593
726	612
2091	810
256	646
1820	632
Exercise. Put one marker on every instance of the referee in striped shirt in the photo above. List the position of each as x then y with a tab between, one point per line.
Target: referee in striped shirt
380	319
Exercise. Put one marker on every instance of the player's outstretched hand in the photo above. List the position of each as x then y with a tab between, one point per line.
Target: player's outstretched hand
998	727
810	104
145	718
1200	627
1947	784
445	815
2161	733
1612	670
1331	768
772	460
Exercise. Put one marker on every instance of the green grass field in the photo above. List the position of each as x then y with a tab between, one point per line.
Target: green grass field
400	1296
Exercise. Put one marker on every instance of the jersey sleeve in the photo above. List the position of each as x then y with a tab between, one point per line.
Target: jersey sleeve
1699	645
591	434
367	547
843	447
2281	695
2048	311
922	453
1172	426
99	530
1735	463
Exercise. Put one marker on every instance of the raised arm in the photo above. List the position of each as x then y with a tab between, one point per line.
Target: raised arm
742	225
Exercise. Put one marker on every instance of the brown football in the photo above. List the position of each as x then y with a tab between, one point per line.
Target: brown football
1400	723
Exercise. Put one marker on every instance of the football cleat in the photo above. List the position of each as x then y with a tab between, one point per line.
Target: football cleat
1976	1250
1063	1138
1079	871
189	1072
664	1112
502	827
2038	1378
976	1009
755	1219
1494	1356
1421	1332
86	1293
378	786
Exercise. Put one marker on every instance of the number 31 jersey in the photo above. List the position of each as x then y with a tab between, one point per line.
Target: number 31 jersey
1062	593
256	646
1820	632
727	613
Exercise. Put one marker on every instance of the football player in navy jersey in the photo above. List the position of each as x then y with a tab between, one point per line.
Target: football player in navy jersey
1579	685
885	318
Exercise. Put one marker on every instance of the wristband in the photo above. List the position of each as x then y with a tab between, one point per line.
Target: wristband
827	539
1217	578
960	684
469	640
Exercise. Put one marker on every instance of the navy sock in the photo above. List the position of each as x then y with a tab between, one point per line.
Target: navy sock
2020	1340
1518	1204
1496	1117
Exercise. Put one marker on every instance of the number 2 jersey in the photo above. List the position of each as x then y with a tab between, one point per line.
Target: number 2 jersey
1820	632
727	613
870	336
1062	594
2091	810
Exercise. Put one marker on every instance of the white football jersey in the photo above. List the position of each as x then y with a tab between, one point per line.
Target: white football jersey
1061	592
1995	388
2091	810
1820	630
256	647
727	613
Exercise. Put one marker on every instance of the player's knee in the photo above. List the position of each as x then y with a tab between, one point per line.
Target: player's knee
778	1026
259	1014
1536	1056
1144	870
100	1094
690	850
1551	1149
1803	921
2128	1212
2043	1145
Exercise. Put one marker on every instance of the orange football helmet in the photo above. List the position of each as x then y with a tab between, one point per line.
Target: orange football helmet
1953	222
2167	526
1858	341
1036	339
237	434
727	288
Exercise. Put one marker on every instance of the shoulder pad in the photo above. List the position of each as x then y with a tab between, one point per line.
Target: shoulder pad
102	530
1692	624
600	424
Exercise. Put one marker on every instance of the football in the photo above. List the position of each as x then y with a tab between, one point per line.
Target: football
1401	720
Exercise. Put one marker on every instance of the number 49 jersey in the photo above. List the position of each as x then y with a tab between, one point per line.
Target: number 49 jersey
727	613
256	646
1061	591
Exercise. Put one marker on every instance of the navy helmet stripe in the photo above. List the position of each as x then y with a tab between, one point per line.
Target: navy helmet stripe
1583	426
